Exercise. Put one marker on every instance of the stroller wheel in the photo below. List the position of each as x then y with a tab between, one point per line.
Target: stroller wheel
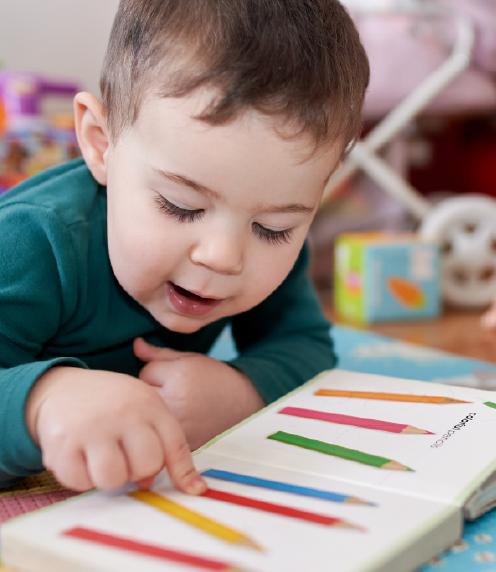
465	229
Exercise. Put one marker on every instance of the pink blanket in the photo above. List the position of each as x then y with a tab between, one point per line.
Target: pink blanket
403	50
15	505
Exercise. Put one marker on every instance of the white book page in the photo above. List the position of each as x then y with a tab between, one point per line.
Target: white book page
446	466
387	529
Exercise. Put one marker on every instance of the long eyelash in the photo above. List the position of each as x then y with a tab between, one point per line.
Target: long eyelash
182	215
272	236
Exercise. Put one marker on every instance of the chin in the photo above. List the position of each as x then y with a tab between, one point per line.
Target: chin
181	324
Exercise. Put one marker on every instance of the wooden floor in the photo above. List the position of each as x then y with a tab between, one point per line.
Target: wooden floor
455	331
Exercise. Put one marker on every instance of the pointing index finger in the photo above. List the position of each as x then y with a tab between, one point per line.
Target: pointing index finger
178	458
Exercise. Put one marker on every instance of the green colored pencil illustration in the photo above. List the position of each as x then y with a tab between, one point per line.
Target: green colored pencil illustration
338	451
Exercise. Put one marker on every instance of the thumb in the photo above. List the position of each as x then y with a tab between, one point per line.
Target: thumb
148	352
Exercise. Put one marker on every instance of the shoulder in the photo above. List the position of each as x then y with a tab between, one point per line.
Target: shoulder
67	193
50	220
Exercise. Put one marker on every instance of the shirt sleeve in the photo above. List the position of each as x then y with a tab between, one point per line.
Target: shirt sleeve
285	340
36	269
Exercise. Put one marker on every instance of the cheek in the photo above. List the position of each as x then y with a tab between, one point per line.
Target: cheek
142	250
270	272
129	261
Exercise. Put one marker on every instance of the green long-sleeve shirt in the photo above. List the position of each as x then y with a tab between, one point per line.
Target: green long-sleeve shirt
60	303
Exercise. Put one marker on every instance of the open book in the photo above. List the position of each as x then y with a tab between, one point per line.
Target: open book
350	472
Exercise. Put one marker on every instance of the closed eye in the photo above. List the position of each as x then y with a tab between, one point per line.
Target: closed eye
191	215
179	213
272	236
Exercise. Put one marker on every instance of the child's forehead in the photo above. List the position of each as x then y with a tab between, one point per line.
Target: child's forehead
166	118
236	160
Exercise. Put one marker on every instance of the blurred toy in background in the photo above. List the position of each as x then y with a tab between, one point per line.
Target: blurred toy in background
380	276
442	66
32	138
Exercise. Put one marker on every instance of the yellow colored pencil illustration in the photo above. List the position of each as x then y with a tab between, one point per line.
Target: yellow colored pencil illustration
196	519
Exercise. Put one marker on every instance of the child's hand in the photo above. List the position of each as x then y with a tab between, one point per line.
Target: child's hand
206	395
103	429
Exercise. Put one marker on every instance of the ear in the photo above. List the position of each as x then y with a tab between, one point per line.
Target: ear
92	134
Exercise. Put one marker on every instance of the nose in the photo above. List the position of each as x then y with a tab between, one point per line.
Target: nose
220	250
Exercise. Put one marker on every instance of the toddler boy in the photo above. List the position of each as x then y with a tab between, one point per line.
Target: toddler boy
204	164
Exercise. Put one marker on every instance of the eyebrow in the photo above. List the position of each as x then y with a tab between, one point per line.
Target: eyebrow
189	183
185	182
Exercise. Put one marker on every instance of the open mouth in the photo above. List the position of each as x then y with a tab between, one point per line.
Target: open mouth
190	295
189	303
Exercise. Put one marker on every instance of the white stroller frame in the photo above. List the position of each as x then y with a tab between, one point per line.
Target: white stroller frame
465	226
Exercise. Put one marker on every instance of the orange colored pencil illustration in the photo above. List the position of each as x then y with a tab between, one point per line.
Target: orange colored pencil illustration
438	399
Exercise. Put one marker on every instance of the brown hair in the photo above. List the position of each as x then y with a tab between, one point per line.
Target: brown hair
299	59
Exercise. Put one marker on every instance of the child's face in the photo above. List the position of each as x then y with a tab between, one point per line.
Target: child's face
206	221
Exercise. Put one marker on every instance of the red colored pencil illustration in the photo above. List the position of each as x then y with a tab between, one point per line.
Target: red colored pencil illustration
146	549
280	509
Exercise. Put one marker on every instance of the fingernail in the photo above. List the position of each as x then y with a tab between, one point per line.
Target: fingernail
196	486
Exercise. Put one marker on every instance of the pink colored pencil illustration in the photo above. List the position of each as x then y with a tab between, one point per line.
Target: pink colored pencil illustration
362	422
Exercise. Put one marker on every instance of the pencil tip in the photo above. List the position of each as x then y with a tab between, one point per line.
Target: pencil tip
356	500
411	430
350	525
249	543
395	466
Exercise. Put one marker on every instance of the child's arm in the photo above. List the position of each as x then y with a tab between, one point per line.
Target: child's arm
78	416
32	306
